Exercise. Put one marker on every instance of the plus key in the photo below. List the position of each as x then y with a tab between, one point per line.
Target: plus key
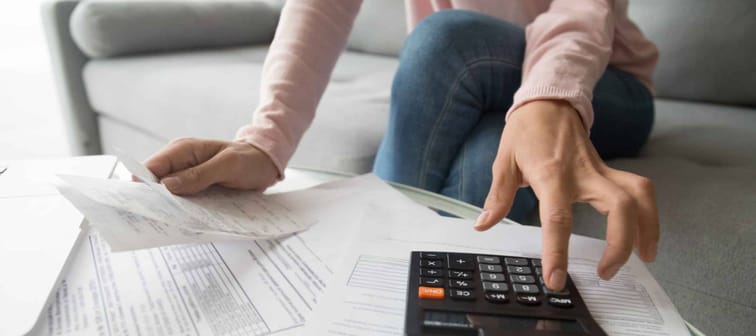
461	262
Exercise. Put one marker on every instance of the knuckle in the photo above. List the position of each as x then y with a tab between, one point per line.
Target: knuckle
550	169
559	217
645	185
181	141
192	174
623	200
622	246
555	254
233	156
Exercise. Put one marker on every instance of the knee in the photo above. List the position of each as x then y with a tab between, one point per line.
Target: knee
460	33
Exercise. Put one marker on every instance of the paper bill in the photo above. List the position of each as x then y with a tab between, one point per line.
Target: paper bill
368	293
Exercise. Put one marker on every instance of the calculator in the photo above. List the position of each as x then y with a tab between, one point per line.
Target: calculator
481	294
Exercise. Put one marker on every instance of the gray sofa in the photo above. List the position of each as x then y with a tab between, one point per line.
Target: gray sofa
135	74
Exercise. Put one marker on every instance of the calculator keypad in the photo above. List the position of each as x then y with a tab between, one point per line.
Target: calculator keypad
462	293
502	280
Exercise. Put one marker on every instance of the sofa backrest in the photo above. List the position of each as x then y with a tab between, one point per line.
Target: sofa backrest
708	48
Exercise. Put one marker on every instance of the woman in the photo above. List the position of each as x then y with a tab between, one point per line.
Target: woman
480	107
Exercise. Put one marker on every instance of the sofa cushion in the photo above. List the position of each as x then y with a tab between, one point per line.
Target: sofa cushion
705	134
707	49
380	28
212	93
117	27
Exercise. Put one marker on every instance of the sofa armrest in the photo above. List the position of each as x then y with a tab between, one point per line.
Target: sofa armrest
67	64
112	28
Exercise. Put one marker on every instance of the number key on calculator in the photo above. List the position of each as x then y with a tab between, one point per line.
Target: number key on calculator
471	294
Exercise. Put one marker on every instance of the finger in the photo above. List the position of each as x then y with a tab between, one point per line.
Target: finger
555	210
198	178
504	185
622	220
642	189
182	153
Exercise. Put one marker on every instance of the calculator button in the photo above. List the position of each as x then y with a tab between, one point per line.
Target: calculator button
432	263
489	260
432	255
497	297
435	293
490	268
516	261
460	275
461	294
563	292
525	289
518	269
491	276
536	262
539	270
430	272
560	302
530	300
432	282
462	284
495	286
461	262
528	279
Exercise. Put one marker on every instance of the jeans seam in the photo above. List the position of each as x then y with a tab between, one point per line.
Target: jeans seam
461	191
445	108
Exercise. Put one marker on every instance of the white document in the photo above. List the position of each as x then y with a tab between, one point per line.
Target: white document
368	293
226	288
132	215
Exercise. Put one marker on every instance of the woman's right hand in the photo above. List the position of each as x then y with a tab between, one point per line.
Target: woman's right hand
187	166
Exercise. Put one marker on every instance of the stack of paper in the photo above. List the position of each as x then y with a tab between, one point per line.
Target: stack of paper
367	295
318	281
133	215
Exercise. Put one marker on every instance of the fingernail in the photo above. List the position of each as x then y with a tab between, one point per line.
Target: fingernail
611	271
558	278
482	219
171	183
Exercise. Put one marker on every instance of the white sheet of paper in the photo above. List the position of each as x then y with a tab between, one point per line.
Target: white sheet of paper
136	168
149	216
225	288
368	293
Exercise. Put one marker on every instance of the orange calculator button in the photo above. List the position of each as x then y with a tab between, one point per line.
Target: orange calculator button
430	293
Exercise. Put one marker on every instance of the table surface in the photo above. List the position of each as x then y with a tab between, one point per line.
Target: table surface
302	178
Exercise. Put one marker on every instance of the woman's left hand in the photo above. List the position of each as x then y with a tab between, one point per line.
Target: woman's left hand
544	145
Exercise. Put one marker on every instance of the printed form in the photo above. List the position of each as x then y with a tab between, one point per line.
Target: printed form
368	294
261	287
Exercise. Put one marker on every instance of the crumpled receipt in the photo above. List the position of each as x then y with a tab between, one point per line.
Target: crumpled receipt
135	215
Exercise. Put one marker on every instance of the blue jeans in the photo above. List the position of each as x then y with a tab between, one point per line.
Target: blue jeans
458	72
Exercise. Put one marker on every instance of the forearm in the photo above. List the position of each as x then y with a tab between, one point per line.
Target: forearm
568	48
311	35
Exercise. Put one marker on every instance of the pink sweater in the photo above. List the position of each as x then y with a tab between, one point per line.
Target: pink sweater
569	44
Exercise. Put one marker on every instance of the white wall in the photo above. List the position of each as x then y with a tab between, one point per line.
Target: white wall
30	121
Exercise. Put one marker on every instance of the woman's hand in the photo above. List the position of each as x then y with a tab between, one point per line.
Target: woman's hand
545	145
187	166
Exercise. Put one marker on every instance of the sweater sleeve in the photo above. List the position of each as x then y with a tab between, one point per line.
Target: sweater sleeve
311	35
567	50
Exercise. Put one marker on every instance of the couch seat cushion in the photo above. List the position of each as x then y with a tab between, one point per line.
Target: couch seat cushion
212	93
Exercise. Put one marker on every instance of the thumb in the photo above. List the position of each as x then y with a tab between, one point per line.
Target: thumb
500	197
195	179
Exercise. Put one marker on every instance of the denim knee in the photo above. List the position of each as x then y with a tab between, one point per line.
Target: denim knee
464	35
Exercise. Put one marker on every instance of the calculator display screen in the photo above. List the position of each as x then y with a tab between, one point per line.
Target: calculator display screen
493	323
